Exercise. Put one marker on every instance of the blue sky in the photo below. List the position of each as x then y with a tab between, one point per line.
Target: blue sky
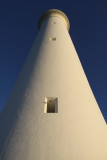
18	29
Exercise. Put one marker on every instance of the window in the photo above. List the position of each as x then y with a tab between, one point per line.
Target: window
52	39
51	105
53	22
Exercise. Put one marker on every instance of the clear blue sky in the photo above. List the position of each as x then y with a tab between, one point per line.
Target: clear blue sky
18	29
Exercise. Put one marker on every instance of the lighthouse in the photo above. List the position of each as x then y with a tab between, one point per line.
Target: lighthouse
51	113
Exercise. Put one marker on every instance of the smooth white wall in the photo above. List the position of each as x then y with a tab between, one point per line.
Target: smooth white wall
78	131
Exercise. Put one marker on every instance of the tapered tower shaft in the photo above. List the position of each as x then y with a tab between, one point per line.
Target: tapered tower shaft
51	113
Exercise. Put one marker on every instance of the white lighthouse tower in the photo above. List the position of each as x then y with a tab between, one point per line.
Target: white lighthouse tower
51	113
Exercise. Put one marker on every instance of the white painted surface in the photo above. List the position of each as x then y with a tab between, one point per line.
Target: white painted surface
52	69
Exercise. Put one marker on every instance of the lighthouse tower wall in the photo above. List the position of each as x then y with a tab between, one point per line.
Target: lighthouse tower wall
77	130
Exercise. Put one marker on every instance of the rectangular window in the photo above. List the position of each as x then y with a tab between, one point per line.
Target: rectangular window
51	105
52	39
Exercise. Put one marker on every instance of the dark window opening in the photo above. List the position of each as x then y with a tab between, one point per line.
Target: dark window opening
51	105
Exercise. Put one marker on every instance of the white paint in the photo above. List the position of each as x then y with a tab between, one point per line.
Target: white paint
78	131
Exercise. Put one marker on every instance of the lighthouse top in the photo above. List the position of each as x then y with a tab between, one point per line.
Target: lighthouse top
54	13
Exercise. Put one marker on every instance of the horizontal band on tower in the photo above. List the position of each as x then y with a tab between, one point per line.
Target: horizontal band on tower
53	12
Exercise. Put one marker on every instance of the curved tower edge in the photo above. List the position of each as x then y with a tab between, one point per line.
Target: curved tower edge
54	12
